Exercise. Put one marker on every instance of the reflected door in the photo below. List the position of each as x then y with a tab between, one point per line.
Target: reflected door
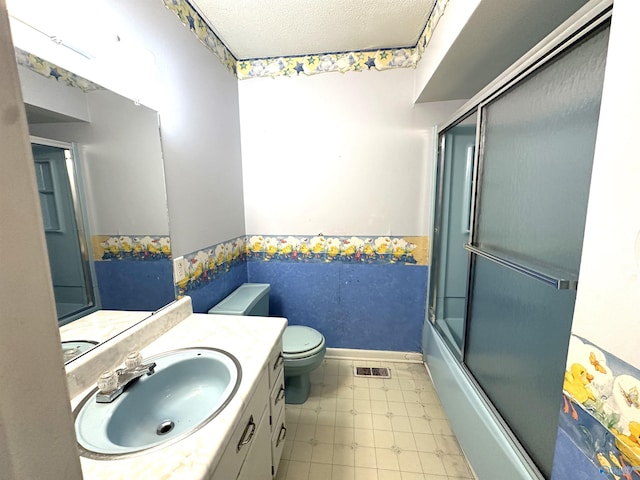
70	274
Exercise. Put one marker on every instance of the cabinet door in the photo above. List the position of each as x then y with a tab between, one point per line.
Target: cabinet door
257	465
277	398
278	434
243	437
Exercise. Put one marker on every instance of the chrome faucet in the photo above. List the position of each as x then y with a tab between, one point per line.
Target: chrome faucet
112	383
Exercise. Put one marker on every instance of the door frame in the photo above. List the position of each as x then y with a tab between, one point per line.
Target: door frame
76	187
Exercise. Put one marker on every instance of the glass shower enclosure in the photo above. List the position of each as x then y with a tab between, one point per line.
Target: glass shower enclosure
457	146
513	179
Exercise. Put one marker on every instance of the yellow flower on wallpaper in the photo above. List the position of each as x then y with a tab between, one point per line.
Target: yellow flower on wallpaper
270	246
317	244
113	246
182	284
382	245
333	247
152	245
165	246
255	243
197	271
219	254
350	250
401	247
126	244
368	249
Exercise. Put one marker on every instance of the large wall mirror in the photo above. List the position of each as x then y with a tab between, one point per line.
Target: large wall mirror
100	177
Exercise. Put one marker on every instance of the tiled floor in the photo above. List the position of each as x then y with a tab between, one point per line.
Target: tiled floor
354	428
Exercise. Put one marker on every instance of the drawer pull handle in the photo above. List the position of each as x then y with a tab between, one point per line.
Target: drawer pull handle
247	435
279	361
280	396
282	435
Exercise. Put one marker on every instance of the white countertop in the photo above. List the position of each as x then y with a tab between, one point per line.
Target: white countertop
101	325
250	340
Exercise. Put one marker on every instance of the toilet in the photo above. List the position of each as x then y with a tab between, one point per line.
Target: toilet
303	348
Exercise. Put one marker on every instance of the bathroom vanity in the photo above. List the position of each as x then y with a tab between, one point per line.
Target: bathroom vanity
244	441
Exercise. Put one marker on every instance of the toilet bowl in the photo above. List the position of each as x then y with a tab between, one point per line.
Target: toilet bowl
303	348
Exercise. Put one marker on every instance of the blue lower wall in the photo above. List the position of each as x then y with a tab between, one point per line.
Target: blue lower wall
135	285
207	296
361	306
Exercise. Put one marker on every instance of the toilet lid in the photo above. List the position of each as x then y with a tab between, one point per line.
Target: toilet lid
300	339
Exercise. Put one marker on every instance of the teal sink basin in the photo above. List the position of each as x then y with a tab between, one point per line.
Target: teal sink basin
188	388
73	348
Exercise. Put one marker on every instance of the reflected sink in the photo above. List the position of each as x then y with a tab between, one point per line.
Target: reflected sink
188	389
73	348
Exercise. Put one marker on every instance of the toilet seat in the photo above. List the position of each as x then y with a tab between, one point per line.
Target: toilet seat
300	342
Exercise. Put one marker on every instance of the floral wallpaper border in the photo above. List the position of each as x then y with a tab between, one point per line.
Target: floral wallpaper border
192	19
205	265
601	409
130	247
51	70
326	249
343	62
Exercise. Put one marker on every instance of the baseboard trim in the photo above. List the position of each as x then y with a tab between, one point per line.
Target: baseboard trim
374	355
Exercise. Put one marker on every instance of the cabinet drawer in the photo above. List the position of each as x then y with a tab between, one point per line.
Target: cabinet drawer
277	441
277	398
243	434
276	363
257	465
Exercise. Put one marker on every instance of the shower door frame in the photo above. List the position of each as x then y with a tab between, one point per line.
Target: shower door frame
74	176
569	33
497	438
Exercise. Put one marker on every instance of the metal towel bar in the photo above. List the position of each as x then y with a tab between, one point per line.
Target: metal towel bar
560	280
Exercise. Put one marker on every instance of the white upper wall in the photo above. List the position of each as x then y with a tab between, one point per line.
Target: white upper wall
341	154
198	106
608	299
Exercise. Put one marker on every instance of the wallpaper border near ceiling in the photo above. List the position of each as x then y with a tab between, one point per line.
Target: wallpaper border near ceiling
342	62
51	70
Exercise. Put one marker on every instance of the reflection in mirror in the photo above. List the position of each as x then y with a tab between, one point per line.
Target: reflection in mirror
111	147
64	229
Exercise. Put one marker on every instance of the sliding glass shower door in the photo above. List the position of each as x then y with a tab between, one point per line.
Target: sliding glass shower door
538	146
452	230
516	276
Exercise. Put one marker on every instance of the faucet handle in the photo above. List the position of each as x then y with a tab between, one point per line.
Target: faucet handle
133	360
107	381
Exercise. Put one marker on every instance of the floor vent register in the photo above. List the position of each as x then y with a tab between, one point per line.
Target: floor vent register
372	372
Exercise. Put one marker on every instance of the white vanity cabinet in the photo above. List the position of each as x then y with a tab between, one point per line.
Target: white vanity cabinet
244	449
255	447
276	405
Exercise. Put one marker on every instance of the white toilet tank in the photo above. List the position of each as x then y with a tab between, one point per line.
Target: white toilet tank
247	299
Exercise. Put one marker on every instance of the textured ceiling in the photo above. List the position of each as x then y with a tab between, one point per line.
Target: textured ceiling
275	28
